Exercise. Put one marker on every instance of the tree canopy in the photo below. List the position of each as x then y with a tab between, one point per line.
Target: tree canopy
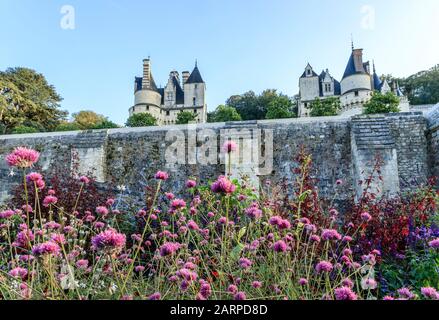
27	99
325	107
185	117
223	114
279	108
382	103
251	106
141	120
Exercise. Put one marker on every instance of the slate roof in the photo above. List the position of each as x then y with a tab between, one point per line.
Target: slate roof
179	93
313	73
377	82
195	76
350	68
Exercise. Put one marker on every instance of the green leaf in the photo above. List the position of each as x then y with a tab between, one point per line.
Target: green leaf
241	233
236	251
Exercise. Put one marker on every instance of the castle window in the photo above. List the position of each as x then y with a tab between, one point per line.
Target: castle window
196	86
327	87
194	101
309	72
170	96
167	113
356	93
147	108
195	110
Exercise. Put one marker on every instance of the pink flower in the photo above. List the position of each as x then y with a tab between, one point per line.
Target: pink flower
365	216
245	263
155	296
280	246
330	234
192	225
303	281
108	240
84	180
256	284
102	210
230	146
6	214
18	273
324	266
232	289
434	243
240	296
139	269
430	293
110	202
191	184
347	283
345	293
205	290
169	248
178	204
315	238
161	175
169	195
347	239
368	284
275	220
339	182
253	211
58	238
46	248
405	293
22	157
82	264
34	177
48	200
388	298
223	185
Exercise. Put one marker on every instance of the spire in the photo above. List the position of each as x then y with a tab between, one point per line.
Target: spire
352	42
196	63
374	70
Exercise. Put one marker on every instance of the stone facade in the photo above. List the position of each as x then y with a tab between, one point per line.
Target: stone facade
354	90
342	148
164	104
433	139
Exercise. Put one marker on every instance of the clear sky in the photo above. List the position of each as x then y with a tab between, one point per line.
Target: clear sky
240	44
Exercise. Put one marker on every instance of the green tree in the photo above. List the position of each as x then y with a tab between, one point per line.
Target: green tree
141	120
185	117
382	103
223	114
87	119
38	100
106	124
67	126
24	129
279	108
325	107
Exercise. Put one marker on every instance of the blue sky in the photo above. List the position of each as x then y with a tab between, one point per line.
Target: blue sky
240	45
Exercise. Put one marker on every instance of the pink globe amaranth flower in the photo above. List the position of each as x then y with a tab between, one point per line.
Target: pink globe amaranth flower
345	293
110	202
192	225
256	284
275	220
191	184
178	204
368	284
245	263
284	224
365	216
430	293
405	293
280	246
339	182
240	296
324	266
155	296
18	273
22	157
376	252
161	175
51	192
169	248
305	221
187	274
347	283
330	234
84	180
58	238
7	214
232	289
253	211
205	290
139	269
223	220
347	239
108	240
388	298
303	282
48	200
34	177
434	243
169	195
315	238
82	264
46	248
230	146
102	210
40	184
223	185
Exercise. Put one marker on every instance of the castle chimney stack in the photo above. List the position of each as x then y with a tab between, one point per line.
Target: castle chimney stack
185	75
146	80
358	59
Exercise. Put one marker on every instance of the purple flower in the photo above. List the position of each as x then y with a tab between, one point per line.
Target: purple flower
430	293
84	180
303	282
280	246
169	248
253	211
365	216
324	266
18	273
223	185
434	243
102	210
161	175
191	184
49	200
178	204
108	240
330	234
155	296
230	146
240	296
245	263
345	293
22	157
405	293
46	248
256	284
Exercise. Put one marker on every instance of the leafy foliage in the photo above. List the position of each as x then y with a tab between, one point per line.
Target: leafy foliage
141	120
279	108
223	114
185	117
325	107
382	103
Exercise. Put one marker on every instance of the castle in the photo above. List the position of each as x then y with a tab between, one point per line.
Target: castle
164	104
354	90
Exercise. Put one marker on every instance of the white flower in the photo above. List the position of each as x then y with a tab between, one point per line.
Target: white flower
11	172
121	188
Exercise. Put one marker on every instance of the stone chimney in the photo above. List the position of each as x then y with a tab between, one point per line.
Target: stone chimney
358	59
146	80
185	75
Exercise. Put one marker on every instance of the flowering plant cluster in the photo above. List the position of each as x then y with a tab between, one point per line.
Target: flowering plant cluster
225	240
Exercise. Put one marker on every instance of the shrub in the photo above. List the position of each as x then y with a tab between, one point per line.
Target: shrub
141	120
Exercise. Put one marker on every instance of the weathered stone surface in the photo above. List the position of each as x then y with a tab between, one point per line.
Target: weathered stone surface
340	146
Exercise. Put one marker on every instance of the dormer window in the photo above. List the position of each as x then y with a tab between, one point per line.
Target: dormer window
170	96
309	72
327	87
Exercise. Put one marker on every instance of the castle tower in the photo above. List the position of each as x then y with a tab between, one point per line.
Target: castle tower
356	85
194	93
309	90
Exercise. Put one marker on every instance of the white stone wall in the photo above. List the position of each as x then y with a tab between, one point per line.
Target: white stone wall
355	82
148	97
194	90
309	88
